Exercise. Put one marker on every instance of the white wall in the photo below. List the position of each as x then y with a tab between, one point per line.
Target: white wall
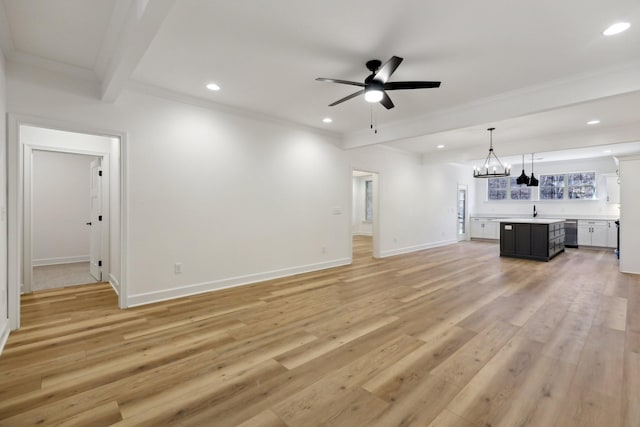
566	209
358	224
630	212
416	202
60	207
233	198
4	325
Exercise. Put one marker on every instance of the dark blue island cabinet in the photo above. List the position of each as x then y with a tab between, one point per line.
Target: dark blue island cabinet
538	239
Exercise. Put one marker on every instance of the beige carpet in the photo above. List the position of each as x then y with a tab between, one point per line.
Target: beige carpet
62	275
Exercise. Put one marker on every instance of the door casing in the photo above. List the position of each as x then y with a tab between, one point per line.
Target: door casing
16	176
465	235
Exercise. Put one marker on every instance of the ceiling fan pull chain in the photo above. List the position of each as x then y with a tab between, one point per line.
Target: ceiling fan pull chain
371	119
375	119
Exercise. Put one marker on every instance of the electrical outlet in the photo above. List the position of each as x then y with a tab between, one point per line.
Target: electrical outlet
177	268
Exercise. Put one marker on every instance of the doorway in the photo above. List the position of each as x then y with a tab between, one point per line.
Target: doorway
364	214
66	205
462	225
28	135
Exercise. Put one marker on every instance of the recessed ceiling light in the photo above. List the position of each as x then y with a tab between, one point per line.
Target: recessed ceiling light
213	86
593	122
440	146
616	28
327	120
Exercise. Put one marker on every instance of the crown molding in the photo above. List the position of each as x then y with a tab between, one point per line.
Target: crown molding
55	66
168	94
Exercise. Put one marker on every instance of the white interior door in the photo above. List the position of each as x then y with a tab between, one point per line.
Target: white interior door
95	222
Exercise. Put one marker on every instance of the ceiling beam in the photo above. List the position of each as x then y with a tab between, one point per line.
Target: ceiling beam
529	100
143	22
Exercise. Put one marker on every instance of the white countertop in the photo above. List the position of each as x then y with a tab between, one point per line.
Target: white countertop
570	216
532	220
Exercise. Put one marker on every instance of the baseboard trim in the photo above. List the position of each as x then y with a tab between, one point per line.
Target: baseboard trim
361	233
199	288
61	260
114	284
4	333
409	249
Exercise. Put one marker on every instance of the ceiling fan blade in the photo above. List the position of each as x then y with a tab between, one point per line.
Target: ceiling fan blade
344	82
410	85
386	101
346	98
387	69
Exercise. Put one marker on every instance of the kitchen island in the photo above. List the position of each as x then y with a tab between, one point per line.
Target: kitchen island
530	238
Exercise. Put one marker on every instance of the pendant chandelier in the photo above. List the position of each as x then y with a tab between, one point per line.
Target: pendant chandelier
492	167
533	181
523	178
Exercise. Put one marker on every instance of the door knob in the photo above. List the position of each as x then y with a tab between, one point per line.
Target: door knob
88	223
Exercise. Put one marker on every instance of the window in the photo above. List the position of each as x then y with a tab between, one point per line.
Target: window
578	185
497	189
519	191
551	187
368	201
581	185
507	188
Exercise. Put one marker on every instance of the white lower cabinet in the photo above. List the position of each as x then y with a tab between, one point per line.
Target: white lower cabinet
484	228
593	233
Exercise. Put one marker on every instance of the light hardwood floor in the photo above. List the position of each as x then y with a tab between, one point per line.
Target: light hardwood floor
453	336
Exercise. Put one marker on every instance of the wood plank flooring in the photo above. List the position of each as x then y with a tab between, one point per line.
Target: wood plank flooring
452	336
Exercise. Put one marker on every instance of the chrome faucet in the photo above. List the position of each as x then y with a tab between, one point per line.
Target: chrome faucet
535	212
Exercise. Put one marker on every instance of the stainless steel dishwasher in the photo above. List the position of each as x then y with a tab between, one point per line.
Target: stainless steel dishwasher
571	233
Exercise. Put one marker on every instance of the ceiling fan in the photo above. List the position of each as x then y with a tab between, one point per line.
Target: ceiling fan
376	84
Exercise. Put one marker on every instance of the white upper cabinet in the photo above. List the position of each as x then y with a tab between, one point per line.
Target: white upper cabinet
613	189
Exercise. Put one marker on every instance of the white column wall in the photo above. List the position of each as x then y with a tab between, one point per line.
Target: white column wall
629	214
416	202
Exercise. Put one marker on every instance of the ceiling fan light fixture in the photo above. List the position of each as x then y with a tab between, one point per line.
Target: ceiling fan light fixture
616	28
373	95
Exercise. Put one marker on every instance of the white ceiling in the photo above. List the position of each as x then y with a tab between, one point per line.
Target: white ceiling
537	71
